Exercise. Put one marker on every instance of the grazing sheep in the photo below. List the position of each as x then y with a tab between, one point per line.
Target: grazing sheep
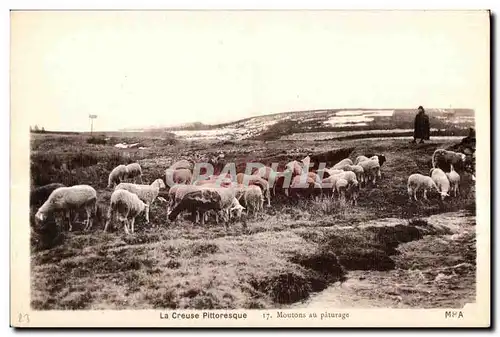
417	182
178	176
441	181
117	175
295	167
40	194
147	193
371	169
442	159
201	199
253	199
134	172
66	199
341	187
181	164
304	186
340	165
359	159
248	179
454	179
329	184
125	206
380	157
268	174
358	171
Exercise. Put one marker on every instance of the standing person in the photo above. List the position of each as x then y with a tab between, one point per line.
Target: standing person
422	126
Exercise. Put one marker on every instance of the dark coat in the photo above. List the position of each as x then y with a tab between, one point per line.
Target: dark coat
422	127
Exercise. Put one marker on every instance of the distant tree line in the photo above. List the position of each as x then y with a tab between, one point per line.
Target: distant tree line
37	129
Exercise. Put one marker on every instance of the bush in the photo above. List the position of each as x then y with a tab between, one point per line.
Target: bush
97	140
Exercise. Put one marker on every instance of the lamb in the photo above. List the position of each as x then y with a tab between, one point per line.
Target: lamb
134	171
340	165
371	169
442	159
66	199
306	186
117	175
147	193
358	171
454	179
125	206
441	181
40	194
418	181
329	184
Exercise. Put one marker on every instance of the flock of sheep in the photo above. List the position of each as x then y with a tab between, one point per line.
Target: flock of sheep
228	195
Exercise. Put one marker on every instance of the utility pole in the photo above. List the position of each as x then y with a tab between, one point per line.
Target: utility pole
92	117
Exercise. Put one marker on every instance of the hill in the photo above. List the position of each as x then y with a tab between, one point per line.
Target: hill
347	121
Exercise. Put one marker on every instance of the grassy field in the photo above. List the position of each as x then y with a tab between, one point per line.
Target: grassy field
288	255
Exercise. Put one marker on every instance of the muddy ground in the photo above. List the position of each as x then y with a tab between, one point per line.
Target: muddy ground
386	251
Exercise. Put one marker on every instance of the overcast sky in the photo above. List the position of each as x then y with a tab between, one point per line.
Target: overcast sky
137	69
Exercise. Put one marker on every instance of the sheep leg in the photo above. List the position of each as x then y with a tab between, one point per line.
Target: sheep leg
68	215
147	214
125	226
108	219
88	210
132	224
415	194
410	193
425	195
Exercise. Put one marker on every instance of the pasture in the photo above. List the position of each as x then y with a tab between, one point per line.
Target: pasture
384	251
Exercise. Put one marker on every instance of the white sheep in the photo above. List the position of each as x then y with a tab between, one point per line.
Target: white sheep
454	179
417	182
65	199
358	171
117	175
125	206
359	159
134	172
147	193
371	169
341	188
340	165
441	181
253	199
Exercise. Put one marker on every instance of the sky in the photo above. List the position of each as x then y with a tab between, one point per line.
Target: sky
160	68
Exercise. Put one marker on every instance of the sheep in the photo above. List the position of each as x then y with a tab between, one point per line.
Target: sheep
442	159
340	165
329	184
441	181
203	199
248	179
253	199
147	193
178	176
380	157
125	206
371	169
268	174
66	199
295	167
117	175
134	171
341	187
307	186
40	194
359	159
454	179
418	181
181	164
358	171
